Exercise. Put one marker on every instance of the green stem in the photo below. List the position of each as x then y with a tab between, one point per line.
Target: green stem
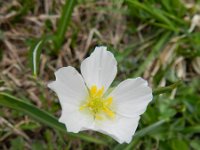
166	89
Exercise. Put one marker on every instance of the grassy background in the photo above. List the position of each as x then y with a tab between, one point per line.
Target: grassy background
150	38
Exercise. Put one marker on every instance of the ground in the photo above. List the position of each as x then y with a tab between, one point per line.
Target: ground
158	40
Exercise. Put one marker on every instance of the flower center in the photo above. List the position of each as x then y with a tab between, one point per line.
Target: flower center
97	104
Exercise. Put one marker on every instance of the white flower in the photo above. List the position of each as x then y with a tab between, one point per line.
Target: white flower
87	104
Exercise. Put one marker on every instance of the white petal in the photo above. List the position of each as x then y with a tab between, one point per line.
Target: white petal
121	128
100	68
132	97
69	86
74	119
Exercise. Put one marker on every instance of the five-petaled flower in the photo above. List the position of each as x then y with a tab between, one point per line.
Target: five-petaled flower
87	104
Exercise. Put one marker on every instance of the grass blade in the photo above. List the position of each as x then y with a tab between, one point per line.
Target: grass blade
154	12
166	89
192	129
64	23
58	38
153	54
148	129
42	116
35	53
144	132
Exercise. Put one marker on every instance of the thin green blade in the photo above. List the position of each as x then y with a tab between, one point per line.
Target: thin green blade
42	116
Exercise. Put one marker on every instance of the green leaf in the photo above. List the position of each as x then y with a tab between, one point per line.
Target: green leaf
195	144
42	116
1	82
38	145
177	144
17	144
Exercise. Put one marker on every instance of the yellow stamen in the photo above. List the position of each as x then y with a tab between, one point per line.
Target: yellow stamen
93	90
109	101
97	104
100	92
98	117
83	107
109	112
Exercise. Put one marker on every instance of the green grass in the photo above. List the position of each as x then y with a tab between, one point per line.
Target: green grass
149	38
